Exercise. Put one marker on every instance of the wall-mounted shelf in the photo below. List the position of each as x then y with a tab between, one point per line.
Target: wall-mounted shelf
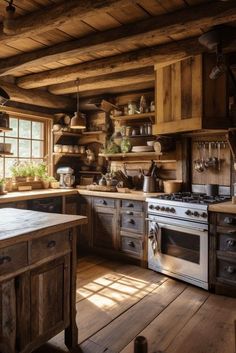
66	133
62	154
142	116
89	172
6	154
130	154
93	132
5	129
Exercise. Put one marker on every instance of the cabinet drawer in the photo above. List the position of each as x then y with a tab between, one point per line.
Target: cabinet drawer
133	205
227	240
226	270
225	219
104	202
50	245
13	258
131	245
132	221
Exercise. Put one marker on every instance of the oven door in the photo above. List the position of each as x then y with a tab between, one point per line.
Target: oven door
180	251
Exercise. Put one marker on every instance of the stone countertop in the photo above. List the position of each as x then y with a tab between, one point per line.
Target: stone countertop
41	193
223	207
15	222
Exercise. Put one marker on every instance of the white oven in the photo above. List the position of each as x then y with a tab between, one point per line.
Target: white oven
178	248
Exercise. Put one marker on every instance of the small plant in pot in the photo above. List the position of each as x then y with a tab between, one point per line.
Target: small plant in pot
46	181
54	184
40	172
2	186
18	171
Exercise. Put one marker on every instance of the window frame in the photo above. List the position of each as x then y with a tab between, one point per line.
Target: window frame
47	141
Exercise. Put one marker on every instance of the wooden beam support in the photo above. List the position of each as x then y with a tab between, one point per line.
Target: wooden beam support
56	15
162	54
146	31
37	97
108	81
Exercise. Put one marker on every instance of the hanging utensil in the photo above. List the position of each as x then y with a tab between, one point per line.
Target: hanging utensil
218	155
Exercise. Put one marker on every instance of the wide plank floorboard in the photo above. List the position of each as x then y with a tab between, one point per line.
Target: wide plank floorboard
117	301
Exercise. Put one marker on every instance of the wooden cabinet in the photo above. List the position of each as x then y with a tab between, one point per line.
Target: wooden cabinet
187	99
37	280
223	253
71	205
104	228
84	240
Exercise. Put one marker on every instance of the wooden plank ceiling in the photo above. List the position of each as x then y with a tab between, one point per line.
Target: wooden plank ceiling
53	42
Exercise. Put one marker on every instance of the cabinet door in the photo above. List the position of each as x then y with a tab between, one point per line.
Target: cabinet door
71	205
50	285
85	230
104	228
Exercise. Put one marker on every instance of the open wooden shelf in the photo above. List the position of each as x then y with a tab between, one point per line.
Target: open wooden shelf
93	132
6	154
66	133
5	129
89	172
130	154
62	154
142	116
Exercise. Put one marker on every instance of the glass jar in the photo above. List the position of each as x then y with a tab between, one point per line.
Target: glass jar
132	107
125	145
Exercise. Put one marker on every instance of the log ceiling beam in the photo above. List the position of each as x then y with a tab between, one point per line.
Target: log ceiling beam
108	81
37	97
162	54
56	15
146	31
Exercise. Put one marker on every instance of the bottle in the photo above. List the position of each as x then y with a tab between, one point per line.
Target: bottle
140	345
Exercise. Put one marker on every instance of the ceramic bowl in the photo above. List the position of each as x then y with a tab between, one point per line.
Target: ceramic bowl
150	143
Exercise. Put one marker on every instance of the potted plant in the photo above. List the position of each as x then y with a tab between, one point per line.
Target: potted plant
2	186
54	184
46	181
18	171
40	171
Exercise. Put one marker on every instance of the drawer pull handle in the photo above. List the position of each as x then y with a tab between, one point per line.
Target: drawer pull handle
131	243
230	220
4	260
131	221
130	205
103	202
232	232
129	213
230	243
230	269
51	244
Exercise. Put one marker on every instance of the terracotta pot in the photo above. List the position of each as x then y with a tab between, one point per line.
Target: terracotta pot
45	184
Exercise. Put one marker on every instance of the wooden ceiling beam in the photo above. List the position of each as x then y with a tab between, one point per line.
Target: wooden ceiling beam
37	97
56	15
162	54
146	31
105	82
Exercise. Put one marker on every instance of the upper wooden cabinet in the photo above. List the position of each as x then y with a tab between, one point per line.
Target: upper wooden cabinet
187	99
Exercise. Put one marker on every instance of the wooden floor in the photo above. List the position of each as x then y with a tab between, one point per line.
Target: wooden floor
116	302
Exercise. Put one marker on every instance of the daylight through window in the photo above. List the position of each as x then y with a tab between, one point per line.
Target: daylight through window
27	143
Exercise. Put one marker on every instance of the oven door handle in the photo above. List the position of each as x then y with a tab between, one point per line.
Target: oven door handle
177	227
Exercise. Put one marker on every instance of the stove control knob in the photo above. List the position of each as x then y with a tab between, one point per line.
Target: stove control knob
163	209
157	208
172	210
188	213
151	207
167	209
196	214
204	215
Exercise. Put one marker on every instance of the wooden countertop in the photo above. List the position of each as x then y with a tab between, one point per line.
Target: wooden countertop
134	195
15	222
223	207
41	193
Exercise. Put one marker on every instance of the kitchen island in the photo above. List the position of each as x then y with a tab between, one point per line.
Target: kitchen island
37	279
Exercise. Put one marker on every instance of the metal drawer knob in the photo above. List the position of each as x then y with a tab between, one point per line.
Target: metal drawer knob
4	260
130	213
131	243
131	221
230	243
130	205
103	202
51	244
230	269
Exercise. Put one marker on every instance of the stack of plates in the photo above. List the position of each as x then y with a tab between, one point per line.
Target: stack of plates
142	149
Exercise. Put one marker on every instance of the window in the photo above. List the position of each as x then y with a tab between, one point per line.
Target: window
27	143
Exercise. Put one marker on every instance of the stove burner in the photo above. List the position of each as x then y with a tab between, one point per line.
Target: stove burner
195	198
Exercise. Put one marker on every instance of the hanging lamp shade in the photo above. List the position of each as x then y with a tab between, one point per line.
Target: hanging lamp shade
77	121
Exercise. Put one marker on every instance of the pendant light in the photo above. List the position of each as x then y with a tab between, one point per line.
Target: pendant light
77	121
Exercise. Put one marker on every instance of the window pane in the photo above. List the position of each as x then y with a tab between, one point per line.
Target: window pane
37	149
24	148
1	139
13	123
37	130
13	143
25	128
8	164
